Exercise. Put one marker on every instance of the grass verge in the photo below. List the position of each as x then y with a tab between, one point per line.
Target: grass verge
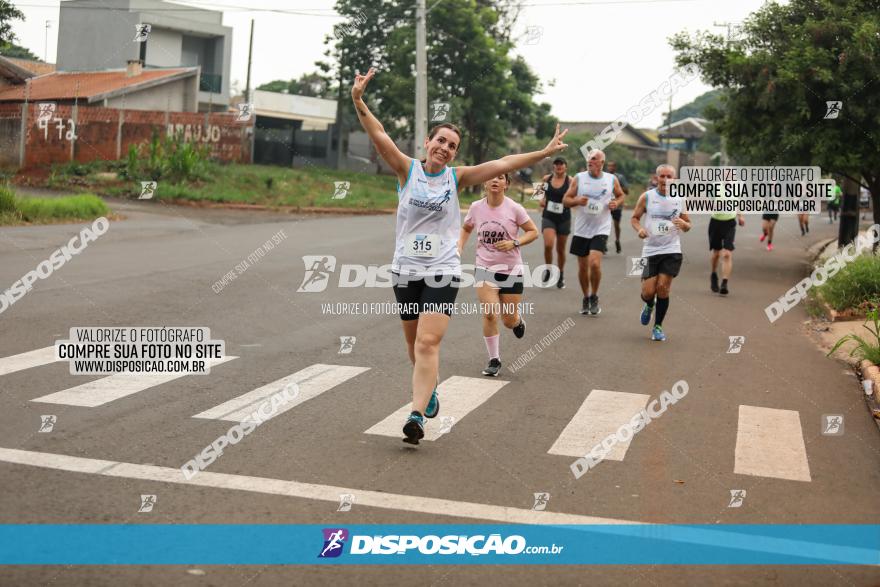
14	210
856	286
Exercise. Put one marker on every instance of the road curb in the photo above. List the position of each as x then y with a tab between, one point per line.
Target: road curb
871	372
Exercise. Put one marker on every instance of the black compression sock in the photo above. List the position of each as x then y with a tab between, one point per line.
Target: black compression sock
649	302
662	306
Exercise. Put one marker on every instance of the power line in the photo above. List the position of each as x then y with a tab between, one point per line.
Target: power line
225	8
314	11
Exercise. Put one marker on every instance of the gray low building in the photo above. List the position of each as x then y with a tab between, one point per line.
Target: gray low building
96	35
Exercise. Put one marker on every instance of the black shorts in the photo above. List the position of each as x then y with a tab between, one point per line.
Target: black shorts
506	284
418	295
665	263
560	225
617	213
582	246
770	216
721	234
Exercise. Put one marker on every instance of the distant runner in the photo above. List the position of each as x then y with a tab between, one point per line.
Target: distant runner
662	247
804	223
556	218
834	204
722	231
617	213
767	226
593	195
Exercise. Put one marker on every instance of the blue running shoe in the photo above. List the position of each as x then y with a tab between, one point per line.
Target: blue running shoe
657	334
414	429
433	405
646	314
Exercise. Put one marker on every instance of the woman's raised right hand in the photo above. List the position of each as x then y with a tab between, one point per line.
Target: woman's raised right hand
360	83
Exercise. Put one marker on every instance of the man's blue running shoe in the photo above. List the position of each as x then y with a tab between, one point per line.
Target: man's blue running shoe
414	429
433	405
646	314
657	334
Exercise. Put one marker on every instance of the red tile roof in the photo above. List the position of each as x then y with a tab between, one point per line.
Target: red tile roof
35	67
87	85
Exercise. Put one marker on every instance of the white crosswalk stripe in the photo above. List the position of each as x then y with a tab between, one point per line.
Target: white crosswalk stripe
311	381
27	360
770	443
459	396
107	389
601	414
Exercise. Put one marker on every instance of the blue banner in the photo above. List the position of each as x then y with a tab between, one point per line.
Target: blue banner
637	544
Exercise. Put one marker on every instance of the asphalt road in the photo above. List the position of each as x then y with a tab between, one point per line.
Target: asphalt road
157	267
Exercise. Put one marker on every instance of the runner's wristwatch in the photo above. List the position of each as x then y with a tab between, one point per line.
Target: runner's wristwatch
516	243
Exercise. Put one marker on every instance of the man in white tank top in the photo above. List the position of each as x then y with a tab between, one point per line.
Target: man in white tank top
593	196
662	247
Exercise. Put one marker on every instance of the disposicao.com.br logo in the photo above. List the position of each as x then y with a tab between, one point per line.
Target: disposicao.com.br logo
334	540
319	270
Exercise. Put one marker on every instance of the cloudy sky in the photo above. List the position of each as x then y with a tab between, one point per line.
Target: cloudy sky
621	45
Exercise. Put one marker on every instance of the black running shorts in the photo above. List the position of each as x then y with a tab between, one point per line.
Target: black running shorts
721	234
418	295
562	227
582	246
506	284
665	263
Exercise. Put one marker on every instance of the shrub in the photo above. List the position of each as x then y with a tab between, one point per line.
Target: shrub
864	349
855	284
7	200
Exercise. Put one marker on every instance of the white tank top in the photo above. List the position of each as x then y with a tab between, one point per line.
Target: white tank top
595	217
428	224
663	237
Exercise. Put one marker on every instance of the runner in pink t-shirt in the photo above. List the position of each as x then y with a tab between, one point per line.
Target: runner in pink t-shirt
497	220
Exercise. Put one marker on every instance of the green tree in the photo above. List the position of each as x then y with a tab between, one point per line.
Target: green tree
697	106
789	61
312	84
13	50
8	13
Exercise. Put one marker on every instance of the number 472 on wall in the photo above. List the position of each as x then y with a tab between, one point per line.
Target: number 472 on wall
69	134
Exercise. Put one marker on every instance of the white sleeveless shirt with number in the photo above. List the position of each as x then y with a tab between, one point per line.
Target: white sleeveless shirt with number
428	224
595	217
663	237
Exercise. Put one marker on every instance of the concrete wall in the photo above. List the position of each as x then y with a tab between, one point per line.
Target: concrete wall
107	133
92	39
178	96
10	134
164	48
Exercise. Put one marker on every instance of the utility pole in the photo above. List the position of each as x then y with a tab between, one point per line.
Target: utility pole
421	122
340	113
247	96
46	42
732	28
247	87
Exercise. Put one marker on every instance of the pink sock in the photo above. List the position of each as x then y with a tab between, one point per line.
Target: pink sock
492	346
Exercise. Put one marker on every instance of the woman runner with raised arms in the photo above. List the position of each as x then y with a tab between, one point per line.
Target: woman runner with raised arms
427	266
